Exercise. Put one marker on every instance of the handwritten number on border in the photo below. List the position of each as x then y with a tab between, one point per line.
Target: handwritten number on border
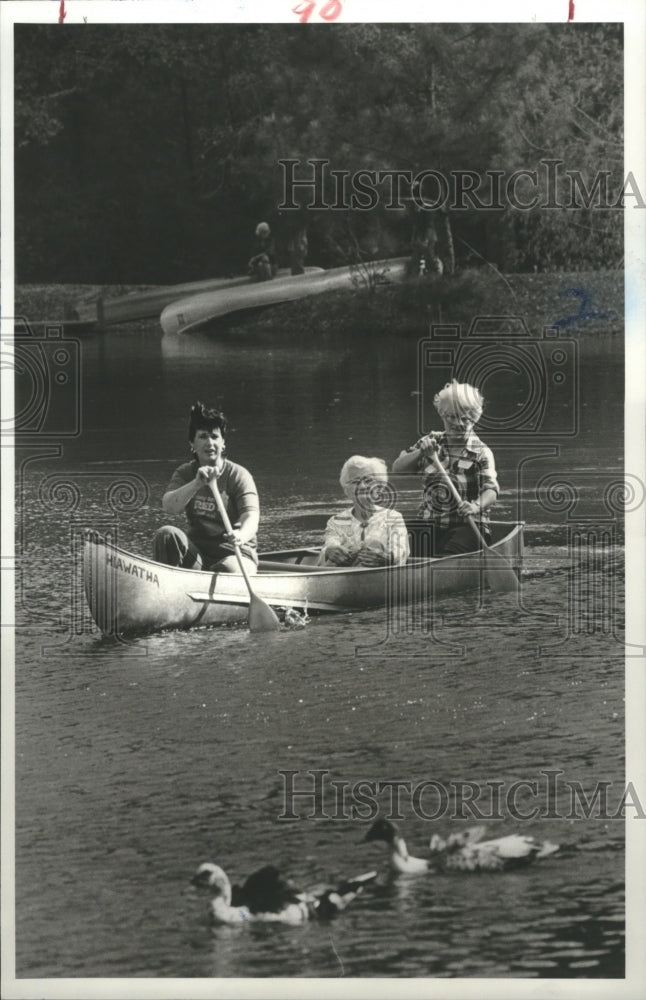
328	12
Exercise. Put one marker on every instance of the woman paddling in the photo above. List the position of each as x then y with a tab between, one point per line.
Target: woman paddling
207	544
470	465
369	533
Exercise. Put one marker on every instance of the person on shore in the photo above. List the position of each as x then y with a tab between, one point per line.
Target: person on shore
369	533
424	258
469	463
262	266
207	544
297	246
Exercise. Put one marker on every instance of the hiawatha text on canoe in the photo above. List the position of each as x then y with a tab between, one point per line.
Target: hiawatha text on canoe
129	594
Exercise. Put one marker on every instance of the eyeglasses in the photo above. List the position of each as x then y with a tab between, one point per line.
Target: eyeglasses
458	418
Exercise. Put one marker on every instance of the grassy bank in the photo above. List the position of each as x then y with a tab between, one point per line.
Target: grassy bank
585	302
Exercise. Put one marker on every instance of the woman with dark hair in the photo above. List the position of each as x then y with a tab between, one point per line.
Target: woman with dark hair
207	544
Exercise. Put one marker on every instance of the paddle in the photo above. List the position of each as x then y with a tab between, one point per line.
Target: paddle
261	617
500	575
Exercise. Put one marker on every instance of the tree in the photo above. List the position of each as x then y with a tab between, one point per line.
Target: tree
149	152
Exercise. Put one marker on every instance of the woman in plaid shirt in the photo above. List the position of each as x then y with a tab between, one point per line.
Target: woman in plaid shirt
469	463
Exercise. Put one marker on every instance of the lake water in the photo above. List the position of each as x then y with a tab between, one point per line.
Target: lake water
136	761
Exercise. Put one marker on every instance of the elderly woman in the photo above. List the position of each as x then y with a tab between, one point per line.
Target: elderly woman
367	534
469	463
206	544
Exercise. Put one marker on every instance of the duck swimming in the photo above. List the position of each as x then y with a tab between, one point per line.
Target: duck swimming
266	896
465	851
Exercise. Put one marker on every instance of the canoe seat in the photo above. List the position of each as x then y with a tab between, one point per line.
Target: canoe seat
271	566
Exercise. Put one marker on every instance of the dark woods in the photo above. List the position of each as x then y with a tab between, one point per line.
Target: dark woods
148	153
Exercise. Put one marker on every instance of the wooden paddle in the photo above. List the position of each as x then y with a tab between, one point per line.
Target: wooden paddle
262	618
500	575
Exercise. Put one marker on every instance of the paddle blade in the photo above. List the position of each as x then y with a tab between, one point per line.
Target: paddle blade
499	574
262	618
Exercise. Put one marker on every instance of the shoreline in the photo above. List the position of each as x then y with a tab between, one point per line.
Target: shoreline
579	302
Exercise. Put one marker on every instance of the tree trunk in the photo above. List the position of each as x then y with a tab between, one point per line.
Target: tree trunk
188	144
448	242
432	87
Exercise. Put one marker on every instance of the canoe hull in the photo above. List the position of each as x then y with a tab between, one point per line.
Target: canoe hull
191	313
149	304
128	594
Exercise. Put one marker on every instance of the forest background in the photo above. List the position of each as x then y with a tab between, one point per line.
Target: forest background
148	153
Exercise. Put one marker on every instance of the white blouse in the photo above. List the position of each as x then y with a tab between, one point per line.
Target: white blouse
385	532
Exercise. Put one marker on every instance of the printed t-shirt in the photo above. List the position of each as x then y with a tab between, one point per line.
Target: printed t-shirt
205	527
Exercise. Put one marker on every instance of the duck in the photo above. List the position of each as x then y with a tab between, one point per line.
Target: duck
400	860
268	897
464	851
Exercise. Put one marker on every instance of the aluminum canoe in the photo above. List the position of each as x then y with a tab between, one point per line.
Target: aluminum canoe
150	303
195	311
129	594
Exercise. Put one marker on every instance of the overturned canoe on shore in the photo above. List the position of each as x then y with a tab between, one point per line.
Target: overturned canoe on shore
150	303
188	314
129	594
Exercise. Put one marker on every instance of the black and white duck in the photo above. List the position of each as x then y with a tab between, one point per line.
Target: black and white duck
465	851
267	896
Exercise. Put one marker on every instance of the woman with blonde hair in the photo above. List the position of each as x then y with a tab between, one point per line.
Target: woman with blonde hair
469	463
370	533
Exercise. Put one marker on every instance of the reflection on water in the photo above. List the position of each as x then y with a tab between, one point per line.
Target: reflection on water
148	757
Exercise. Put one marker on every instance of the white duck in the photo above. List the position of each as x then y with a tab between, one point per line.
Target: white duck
464	851
266	896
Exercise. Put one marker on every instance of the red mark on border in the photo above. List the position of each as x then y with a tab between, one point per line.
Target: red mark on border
328	12
570	14
304	11
62	13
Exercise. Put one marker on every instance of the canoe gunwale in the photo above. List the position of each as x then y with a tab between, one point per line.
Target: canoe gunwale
414	562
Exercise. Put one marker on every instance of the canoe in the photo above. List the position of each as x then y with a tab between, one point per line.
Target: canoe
144	305
190	313
129	594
